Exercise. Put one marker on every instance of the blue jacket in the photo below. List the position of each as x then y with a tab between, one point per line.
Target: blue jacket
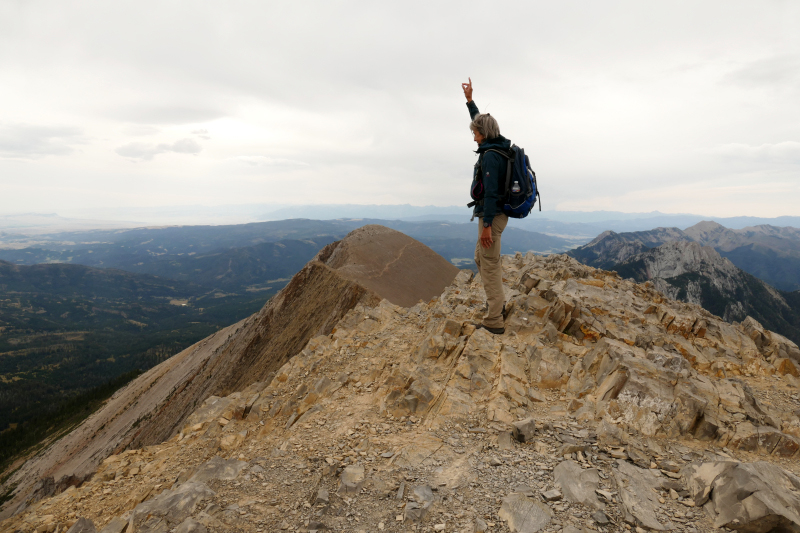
491	167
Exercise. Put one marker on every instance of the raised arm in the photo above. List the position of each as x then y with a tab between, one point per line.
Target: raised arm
473	109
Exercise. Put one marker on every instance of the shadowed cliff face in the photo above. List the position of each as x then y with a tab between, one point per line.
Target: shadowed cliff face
698	274
370	264
767	252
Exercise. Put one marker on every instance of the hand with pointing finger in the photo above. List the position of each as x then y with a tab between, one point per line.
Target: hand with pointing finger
467	89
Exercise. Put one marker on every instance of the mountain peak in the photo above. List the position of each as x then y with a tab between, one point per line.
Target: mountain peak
602	237
709	232
391	264
708	225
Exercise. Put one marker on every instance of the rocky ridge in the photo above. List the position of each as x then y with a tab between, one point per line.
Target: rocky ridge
371	263
605	407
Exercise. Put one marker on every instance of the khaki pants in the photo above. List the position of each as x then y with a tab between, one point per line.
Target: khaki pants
490	267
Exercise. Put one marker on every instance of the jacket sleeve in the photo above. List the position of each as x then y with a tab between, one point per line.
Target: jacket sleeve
493	173
473	109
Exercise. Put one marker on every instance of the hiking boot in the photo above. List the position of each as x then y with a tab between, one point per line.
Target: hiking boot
496	331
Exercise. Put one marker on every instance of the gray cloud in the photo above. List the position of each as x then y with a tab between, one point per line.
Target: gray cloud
264	161
167	114
787	152
140	130
778	71
26	141
146	152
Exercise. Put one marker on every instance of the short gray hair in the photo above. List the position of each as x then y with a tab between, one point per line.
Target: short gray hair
486	125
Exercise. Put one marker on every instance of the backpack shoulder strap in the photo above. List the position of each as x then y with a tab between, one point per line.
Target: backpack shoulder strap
504	154
509	165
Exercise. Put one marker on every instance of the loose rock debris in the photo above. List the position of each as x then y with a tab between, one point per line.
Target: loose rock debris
605	407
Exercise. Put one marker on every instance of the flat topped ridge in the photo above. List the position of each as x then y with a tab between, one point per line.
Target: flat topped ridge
708	225
391	264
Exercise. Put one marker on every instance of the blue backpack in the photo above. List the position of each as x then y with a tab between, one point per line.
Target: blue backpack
520	190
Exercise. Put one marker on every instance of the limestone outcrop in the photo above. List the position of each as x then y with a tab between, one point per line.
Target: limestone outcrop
605	407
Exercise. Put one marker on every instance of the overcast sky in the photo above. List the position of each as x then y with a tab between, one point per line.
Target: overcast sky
681	107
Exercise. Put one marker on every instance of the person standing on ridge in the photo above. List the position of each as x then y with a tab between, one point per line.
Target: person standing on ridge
487	182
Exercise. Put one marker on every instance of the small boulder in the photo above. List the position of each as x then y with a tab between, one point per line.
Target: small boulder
479	526
524	430
504	441
323	498
415	512
421	502
524	515
422	494
352	479
639	457
218	468
552	495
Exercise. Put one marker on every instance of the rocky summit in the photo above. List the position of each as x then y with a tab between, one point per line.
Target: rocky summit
604	407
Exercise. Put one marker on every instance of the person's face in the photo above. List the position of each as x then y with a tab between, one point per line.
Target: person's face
477	136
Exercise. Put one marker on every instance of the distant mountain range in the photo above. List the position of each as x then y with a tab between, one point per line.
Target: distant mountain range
574	223
576	226
729	272
188	252
235	269
770	253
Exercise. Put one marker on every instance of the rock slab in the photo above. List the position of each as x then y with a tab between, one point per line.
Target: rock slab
524	515
637	488
747	497
169	508
82	525
578	485
218	468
